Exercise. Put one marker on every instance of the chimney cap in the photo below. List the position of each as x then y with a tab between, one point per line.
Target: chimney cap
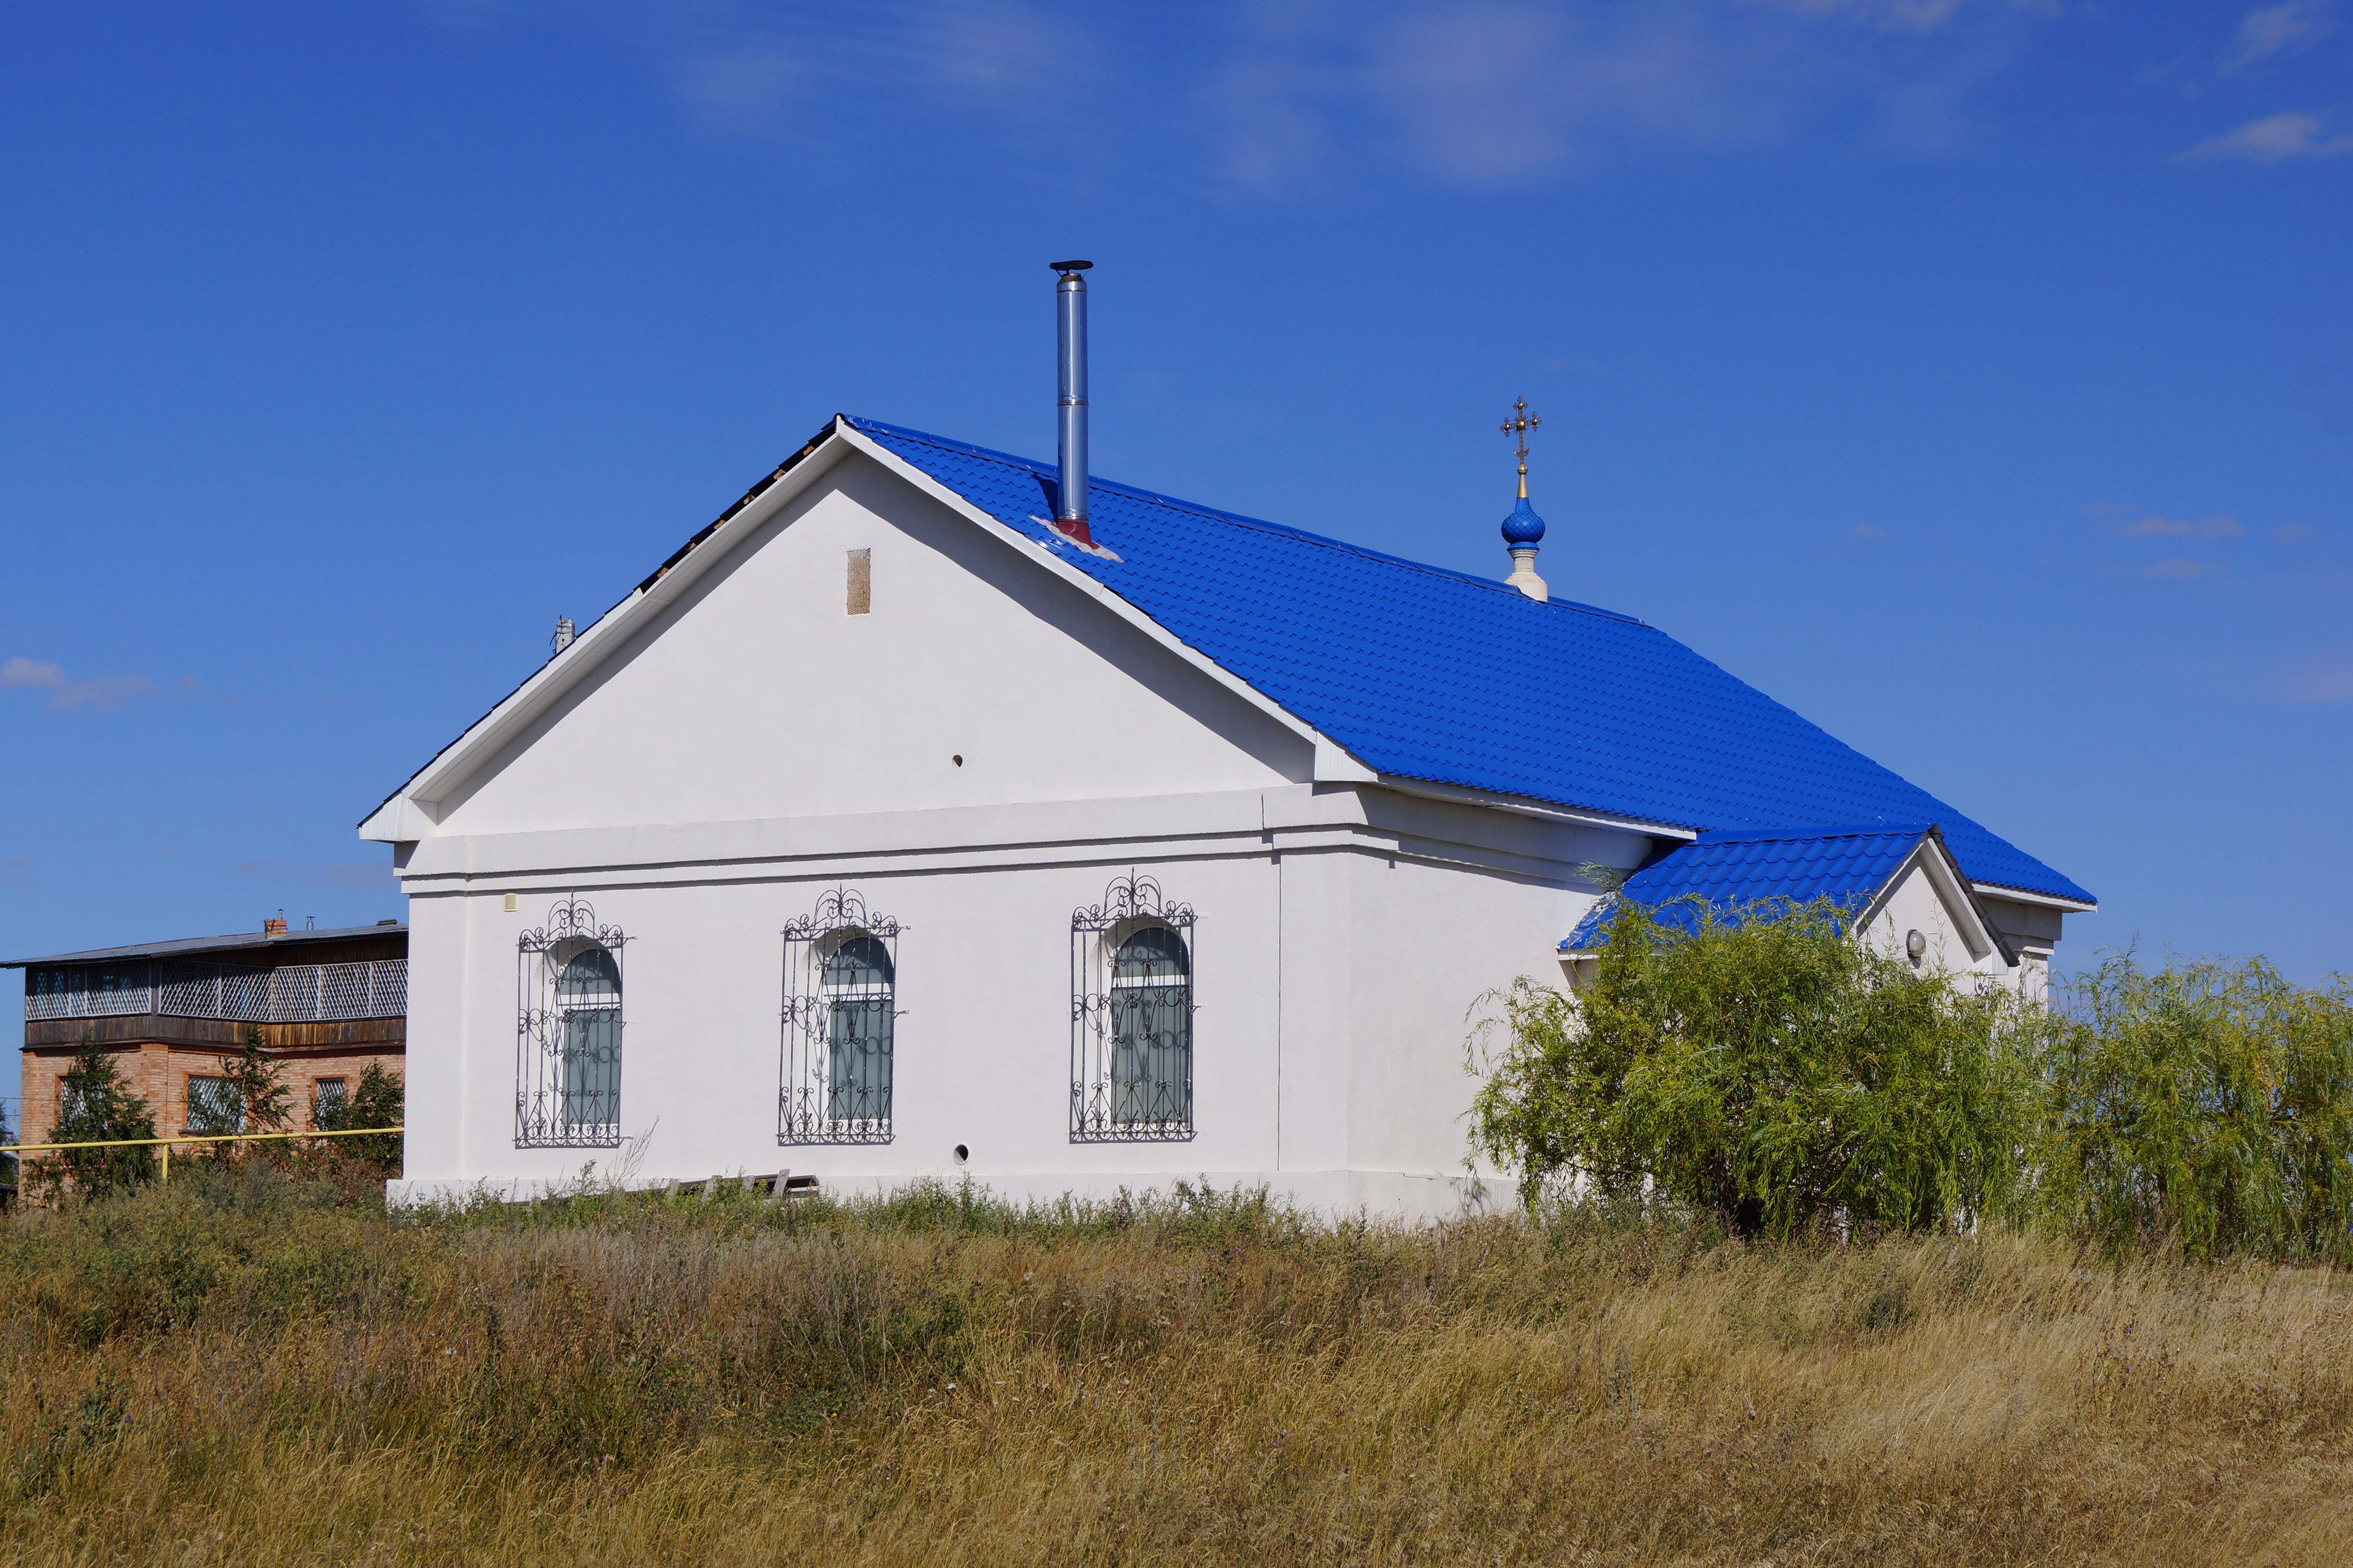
1072	266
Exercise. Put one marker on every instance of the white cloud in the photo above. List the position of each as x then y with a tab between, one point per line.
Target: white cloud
1906	16
2270	140
741	71
65	691
371	874
1501	93
24	672
1277	94
2213	526
2175	569
2317	680
737	92
2265	32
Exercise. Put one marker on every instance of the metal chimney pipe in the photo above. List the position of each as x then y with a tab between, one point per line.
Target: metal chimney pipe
1070	294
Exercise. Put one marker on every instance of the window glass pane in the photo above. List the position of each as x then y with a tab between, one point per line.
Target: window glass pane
588	1074
858	1058
1155	952
858	1031
1152	1030
589	975
860	961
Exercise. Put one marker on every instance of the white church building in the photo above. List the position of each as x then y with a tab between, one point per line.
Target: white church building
936	812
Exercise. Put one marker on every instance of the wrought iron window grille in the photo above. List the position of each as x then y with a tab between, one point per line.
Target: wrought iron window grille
839	1030
1132	1016
568	1024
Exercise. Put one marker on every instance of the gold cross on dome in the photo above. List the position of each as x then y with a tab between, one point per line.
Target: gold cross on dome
1518	425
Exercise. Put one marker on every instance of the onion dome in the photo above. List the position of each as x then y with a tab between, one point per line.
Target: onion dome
1524	528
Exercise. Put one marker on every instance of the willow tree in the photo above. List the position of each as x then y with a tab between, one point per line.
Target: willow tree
2207	1105
1761	1065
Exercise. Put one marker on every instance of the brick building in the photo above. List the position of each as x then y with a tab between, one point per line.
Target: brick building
328	1003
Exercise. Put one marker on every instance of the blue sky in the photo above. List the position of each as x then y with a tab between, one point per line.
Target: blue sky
1973	376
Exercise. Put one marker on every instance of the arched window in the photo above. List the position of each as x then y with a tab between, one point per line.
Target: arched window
840	1024
1131	969
1152	1030
568	1030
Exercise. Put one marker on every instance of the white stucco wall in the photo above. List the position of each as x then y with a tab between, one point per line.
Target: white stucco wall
1343	935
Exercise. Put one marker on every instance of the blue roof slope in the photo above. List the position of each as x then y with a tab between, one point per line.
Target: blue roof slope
1427	674
1723	871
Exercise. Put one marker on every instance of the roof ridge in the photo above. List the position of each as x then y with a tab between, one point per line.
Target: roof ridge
1242	520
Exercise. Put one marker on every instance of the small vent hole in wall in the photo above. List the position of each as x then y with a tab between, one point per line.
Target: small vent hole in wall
861	581
958	759
963	1154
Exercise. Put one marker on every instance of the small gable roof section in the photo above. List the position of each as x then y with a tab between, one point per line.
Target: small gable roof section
1427	675
1725	876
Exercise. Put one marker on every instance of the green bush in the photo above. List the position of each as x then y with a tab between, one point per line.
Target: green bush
98	1106
376	1102
1766	1068
2208	1104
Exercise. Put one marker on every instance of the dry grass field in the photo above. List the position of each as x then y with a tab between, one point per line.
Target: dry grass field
237	1370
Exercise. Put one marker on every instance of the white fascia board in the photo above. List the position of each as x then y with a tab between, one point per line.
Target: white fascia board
2020	895
1460	795
399	820
1334	762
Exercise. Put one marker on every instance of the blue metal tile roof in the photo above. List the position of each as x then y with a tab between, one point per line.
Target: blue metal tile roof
1725	871
1427	674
